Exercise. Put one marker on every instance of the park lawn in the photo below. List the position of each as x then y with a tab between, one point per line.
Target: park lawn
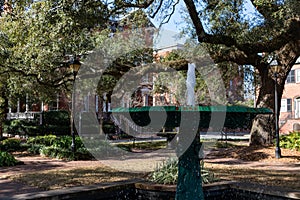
256	164
271	177
63	178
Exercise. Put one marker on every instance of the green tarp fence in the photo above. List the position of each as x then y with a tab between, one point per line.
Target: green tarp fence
235	116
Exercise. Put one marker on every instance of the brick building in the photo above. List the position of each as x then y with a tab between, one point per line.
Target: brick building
290	103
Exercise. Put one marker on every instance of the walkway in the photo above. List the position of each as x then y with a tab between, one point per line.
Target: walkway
141	163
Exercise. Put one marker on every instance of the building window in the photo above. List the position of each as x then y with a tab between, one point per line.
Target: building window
291	77
289	105
298	75
283	105
286	105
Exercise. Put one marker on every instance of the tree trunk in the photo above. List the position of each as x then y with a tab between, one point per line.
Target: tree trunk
263	127
3	113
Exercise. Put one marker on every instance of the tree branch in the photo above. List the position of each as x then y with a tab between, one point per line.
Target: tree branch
145	4
157	9
168	17
266	9
275	43
54	83
121	5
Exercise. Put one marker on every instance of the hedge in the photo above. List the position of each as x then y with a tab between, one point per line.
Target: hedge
54	122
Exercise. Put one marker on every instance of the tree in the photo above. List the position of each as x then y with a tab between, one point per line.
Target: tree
271	32
243	42
37	39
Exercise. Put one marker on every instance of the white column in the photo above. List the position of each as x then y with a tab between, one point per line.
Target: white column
97	103
9	107
27	101
18	105
42	106
41	113
57	102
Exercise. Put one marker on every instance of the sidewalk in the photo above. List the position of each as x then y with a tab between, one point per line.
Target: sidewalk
8	188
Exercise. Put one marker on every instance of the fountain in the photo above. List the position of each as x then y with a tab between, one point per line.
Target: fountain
189	171
187	141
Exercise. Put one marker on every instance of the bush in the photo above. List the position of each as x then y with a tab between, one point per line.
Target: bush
82	154
46	140
167	173
20	127
57	152
108	127
58	147
58	118
35	148
11	144
56	122
290	141
7	159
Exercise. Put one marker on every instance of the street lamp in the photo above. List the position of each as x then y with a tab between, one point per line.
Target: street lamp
74	66
275	69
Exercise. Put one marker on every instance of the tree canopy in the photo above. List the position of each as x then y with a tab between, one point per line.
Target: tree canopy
245	32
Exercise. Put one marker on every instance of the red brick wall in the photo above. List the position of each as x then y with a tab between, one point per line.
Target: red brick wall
291	91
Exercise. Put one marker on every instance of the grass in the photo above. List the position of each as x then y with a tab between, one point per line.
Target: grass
57	179
147	146
271	177
156	145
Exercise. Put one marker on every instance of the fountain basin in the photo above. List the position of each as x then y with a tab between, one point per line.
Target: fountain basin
139	190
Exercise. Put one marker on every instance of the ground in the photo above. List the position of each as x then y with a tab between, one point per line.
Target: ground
240	163
256	164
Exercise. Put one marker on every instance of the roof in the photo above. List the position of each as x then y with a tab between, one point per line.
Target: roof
168	39
298	60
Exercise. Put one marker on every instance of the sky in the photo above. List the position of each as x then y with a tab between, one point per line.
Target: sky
249	10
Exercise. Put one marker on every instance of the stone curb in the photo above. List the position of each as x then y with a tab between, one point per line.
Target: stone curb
94	191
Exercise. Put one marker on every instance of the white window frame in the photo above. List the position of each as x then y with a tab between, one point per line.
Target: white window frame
291	77
297	74
283	107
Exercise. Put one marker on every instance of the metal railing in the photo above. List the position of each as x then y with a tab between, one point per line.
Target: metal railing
22	115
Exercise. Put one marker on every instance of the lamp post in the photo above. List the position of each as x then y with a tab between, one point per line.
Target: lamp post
74	66
276	69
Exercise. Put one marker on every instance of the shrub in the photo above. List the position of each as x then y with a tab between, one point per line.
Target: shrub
82	154
7	159
46	140
290	141
35	148
11	144
58	147
56	122
57	152
58	118
108	127
167	173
